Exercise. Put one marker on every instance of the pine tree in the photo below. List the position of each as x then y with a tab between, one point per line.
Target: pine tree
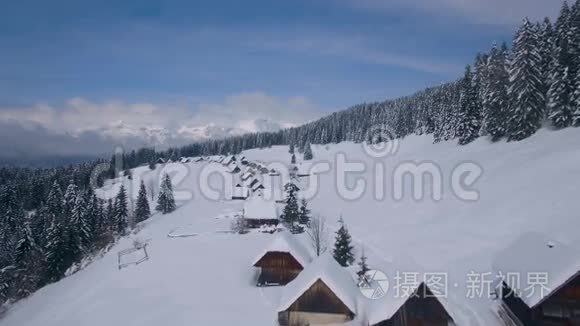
80	228
525	112
562	82
293	159
304	213
342	251
121	217
28	261
363	268
307	152
495	96
290	214
291	148
142	211
546	50
469	114
165	201
57	252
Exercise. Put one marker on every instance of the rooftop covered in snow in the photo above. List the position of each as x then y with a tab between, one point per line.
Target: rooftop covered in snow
536	253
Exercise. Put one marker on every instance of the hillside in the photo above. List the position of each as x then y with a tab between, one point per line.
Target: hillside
207	278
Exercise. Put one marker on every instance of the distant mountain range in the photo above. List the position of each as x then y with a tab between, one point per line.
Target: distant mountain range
163	136
36	146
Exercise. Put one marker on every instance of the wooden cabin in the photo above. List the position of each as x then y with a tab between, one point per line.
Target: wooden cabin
240	192
324	293
259	211
281	261
558	304
421	308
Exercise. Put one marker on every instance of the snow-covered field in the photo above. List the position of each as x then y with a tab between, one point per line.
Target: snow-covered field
202	275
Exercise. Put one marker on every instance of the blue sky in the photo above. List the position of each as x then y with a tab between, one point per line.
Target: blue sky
72	65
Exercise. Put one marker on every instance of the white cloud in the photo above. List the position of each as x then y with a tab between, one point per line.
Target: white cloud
492	12
96	127
78	115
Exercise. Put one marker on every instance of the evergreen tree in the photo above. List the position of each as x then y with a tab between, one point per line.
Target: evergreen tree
469	114
495	96
293	159
342	251
546	41
142	211
28	261
304	213
525	112
291	213
307	152
80	227
562	82
58	257
363	268
121	217
291	148
165	201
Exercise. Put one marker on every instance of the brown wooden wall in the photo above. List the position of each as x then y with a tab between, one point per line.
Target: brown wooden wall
320	298
420	310
278	268
562	307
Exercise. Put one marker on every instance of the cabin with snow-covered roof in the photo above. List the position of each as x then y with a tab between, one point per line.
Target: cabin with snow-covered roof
546	290
421	307
240	192
248	174
282	260
259	211
233	168
323	293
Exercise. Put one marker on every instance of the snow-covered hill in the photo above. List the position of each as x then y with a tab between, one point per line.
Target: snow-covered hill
207	278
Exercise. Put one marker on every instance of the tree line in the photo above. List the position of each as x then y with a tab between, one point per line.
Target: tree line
52	219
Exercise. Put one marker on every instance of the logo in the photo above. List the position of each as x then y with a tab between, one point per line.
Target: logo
374	285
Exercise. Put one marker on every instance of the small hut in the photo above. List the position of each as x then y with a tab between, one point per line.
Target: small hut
555	299
259	211
282	260
240	192
421	307
323	293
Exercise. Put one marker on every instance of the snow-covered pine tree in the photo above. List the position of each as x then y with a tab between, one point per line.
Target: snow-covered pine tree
291	148
28	261
562	82
343	248
57	253
121	217
363	268
293	159
291	212
469	112
495	97
165	200
479	76
307	152
304	213
142	210
80	228
546	41
525	112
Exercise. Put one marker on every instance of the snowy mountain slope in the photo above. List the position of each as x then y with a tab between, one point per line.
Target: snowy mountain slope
208	279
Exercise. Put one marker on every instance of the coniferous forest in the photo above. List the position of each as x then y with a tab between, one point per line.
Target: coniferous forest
51	218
